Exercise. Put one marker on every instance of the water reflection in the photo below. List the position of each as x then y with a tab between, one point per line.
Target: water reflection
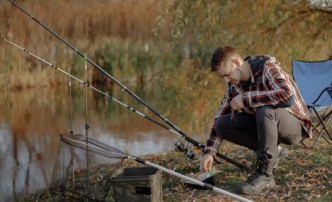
31	121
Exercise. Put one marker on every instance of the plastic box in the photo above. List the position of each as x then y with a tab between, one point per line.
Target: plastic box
140	184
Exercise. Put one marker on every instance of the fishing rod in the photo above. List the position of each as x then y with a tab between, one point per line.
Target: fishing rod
113	152
184	136
179	145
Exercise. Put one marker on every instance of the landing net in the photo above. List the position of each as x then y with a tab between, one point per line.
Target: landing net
83	169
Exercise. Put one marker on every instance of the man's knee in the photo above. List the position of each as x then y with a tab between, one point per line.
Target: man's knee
222	126
264	112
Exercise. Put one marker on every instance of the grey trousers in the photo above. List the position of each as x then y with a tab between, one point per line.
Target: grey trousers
262	131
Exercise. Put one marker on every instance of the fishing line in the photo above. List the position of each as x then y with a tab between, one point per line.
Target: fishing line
184	136
90	86
124	88
86	119
71	130
70	104
86	95
177	144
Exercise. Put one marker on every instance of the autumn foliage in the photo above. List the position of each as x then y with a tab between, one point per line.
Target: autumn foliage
167	42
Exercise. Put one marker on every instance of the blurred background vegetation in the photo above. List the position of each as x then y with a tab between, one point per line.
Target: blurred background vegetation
160	42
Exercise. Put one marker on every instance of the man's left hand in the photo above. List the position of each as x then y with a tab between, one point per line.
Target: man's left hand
237	102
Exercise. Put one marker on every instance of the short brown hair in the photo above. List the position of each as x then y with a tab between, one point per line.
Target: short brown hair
220	54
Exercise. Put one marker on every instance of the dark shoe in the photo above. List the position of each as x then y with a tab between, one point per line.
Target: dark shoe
256	183
282	153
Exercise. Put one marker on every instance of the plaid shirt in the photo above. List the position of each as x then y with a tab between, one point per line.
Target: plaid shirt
270	85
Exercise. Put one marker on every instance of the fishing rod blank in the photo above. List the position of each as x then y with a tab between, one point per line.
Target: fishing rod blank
186	137
113	152
178	146
90	86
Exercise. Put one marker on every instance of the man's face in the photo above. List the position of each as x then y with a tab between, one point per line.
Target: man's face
228	71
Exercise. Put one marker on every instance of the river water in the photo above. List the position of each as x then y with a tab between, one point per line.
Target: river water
31	121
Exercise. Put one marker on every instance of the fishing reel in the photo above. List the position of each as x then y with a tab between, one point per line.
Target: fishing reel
180	147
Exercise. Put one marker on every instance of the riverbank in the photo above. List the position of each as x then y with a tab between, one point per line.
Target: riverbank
305	174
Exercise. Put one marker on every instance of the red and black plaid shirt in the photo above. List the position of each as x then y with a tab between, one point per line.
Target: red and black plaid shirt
270	85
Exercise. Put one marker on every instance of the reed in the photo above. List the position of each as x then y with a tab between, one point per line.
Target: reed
126	27
136	60
117	36
85	29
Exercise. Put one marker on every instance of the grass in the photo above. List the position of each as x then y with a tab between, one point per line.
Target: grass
304	175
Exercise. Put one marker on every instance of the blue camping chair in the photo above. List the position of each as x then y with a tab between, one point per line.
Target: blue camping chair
314	80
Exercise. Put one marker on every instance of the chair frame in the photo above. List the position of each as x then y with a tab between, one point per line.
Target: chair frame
322	120
326	118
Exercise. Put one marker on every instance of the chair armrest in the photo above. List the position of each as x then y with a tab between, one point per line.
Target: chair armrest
329	91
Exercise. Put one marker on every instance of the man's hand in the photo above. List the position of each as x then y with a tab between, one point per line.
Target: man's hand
237	103
206	162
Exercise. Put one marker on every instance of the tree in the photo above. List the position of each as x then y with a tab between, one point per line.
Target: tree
288	29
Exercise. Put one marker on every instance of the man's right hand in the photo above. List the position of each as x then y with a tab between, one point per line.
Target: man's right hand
206	162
